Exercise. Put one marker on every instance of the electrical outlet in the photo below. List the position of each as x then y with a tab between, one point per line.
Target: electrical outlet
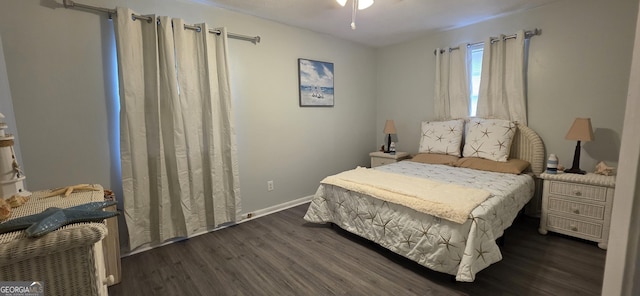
270	185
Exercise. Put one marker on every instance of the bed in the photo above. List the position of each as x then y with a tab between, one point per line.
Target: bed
460	248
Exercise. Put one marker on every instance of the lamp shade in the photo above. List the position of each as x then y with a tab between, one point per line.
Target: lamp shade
390	127
580	130
342	2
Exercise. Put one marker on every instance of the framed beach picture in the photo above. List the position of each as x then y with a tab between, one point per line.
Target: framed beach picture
315	83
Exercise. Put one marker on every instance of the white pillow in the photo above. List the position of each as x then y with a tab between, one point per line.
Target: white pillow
443	137
489	138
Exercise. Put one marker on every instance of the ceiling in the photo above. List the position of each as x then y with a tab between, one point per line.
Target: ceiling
386	22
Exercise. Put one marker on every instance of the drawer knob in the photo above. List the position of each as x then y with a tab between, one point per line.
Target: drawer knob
109	280
577	192
575	210
573	227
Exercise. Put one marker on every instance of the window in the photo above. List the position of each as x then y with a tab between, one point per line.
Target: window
475	55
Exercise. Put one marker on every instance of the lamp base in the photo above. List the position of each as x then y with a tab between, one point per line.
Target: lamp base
575	171
575	168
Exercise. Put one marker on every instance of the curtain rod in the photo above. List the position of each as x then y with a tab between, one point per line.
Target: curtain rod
527	34
73	4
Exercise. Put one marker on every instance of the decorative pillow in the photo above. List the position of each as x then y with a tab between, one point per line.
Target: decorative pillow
442	137
431	158
489	138
511	166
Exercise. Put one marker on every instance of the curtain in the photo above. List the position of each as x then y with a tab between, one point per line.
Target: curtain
451	98
177	140
502	83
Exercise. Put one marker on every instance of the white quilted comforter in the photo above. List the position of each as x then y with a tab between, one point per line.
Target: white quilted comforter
445	246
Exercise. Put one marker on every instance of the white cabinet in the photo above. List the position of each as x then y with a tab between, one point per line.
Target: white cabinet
381	158
578	205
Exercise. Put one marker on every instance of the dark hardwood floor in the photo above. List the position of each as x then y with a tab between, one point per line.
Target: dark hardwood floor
281	254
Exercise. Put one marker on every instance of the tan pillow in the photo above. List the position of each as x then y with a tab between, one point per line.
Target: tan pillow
511	166
434	158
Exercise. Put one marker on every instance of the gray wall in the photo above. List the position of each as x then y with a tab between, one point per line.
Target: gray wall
578	67
6	105
60	64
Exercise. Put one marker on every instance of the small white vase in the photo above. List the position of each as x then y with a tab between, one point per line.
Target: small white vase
552	164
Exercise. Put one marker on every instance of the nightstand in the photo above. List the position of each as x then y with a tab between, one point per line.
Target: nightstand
380	158
578	205
70	260
111	243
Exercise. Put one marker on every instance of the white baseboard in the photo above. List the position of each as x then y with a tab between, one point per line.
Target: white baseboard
273	209
243	218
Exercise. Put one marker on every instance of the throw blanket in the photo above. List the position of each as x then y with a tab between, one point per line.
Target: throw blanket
447	201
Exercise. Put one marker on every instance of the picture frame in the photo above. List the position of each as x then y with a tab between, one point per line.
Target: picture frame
315	83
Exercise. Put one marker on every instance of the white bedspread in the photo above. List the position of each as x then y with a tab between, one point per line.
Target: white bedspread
445	246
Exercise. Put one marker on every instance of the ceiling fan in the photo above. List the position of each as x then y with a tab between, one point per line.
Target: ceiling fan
360	4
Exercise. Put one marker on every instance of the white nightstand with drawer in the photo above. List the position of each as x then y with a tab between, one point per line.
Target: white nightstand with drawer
380	158
578	205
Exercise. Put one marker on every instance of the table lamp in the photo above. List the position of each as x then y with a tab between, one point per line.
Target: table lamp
389	128
580	131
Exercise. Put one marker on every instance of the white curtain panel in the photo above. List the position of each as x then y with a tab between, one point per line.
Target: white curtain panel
441	85
177	140
451	98
502	83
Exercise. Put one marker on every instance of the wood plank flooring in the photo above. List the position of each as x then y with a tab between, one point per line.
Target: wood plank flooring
281	254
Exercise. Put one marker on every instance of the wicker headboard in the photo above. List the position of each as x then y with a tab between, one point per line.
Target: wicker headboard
527	145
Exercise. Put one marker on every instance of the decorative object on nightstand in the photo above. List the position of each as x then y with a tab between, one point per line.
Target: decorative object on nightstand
39	224
11	176
580	131
382	158
66	191
578	205
552	164
603	169
389	128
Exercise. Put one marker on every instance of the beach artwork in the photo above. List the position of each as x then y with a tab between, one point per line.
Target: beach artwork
316	83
